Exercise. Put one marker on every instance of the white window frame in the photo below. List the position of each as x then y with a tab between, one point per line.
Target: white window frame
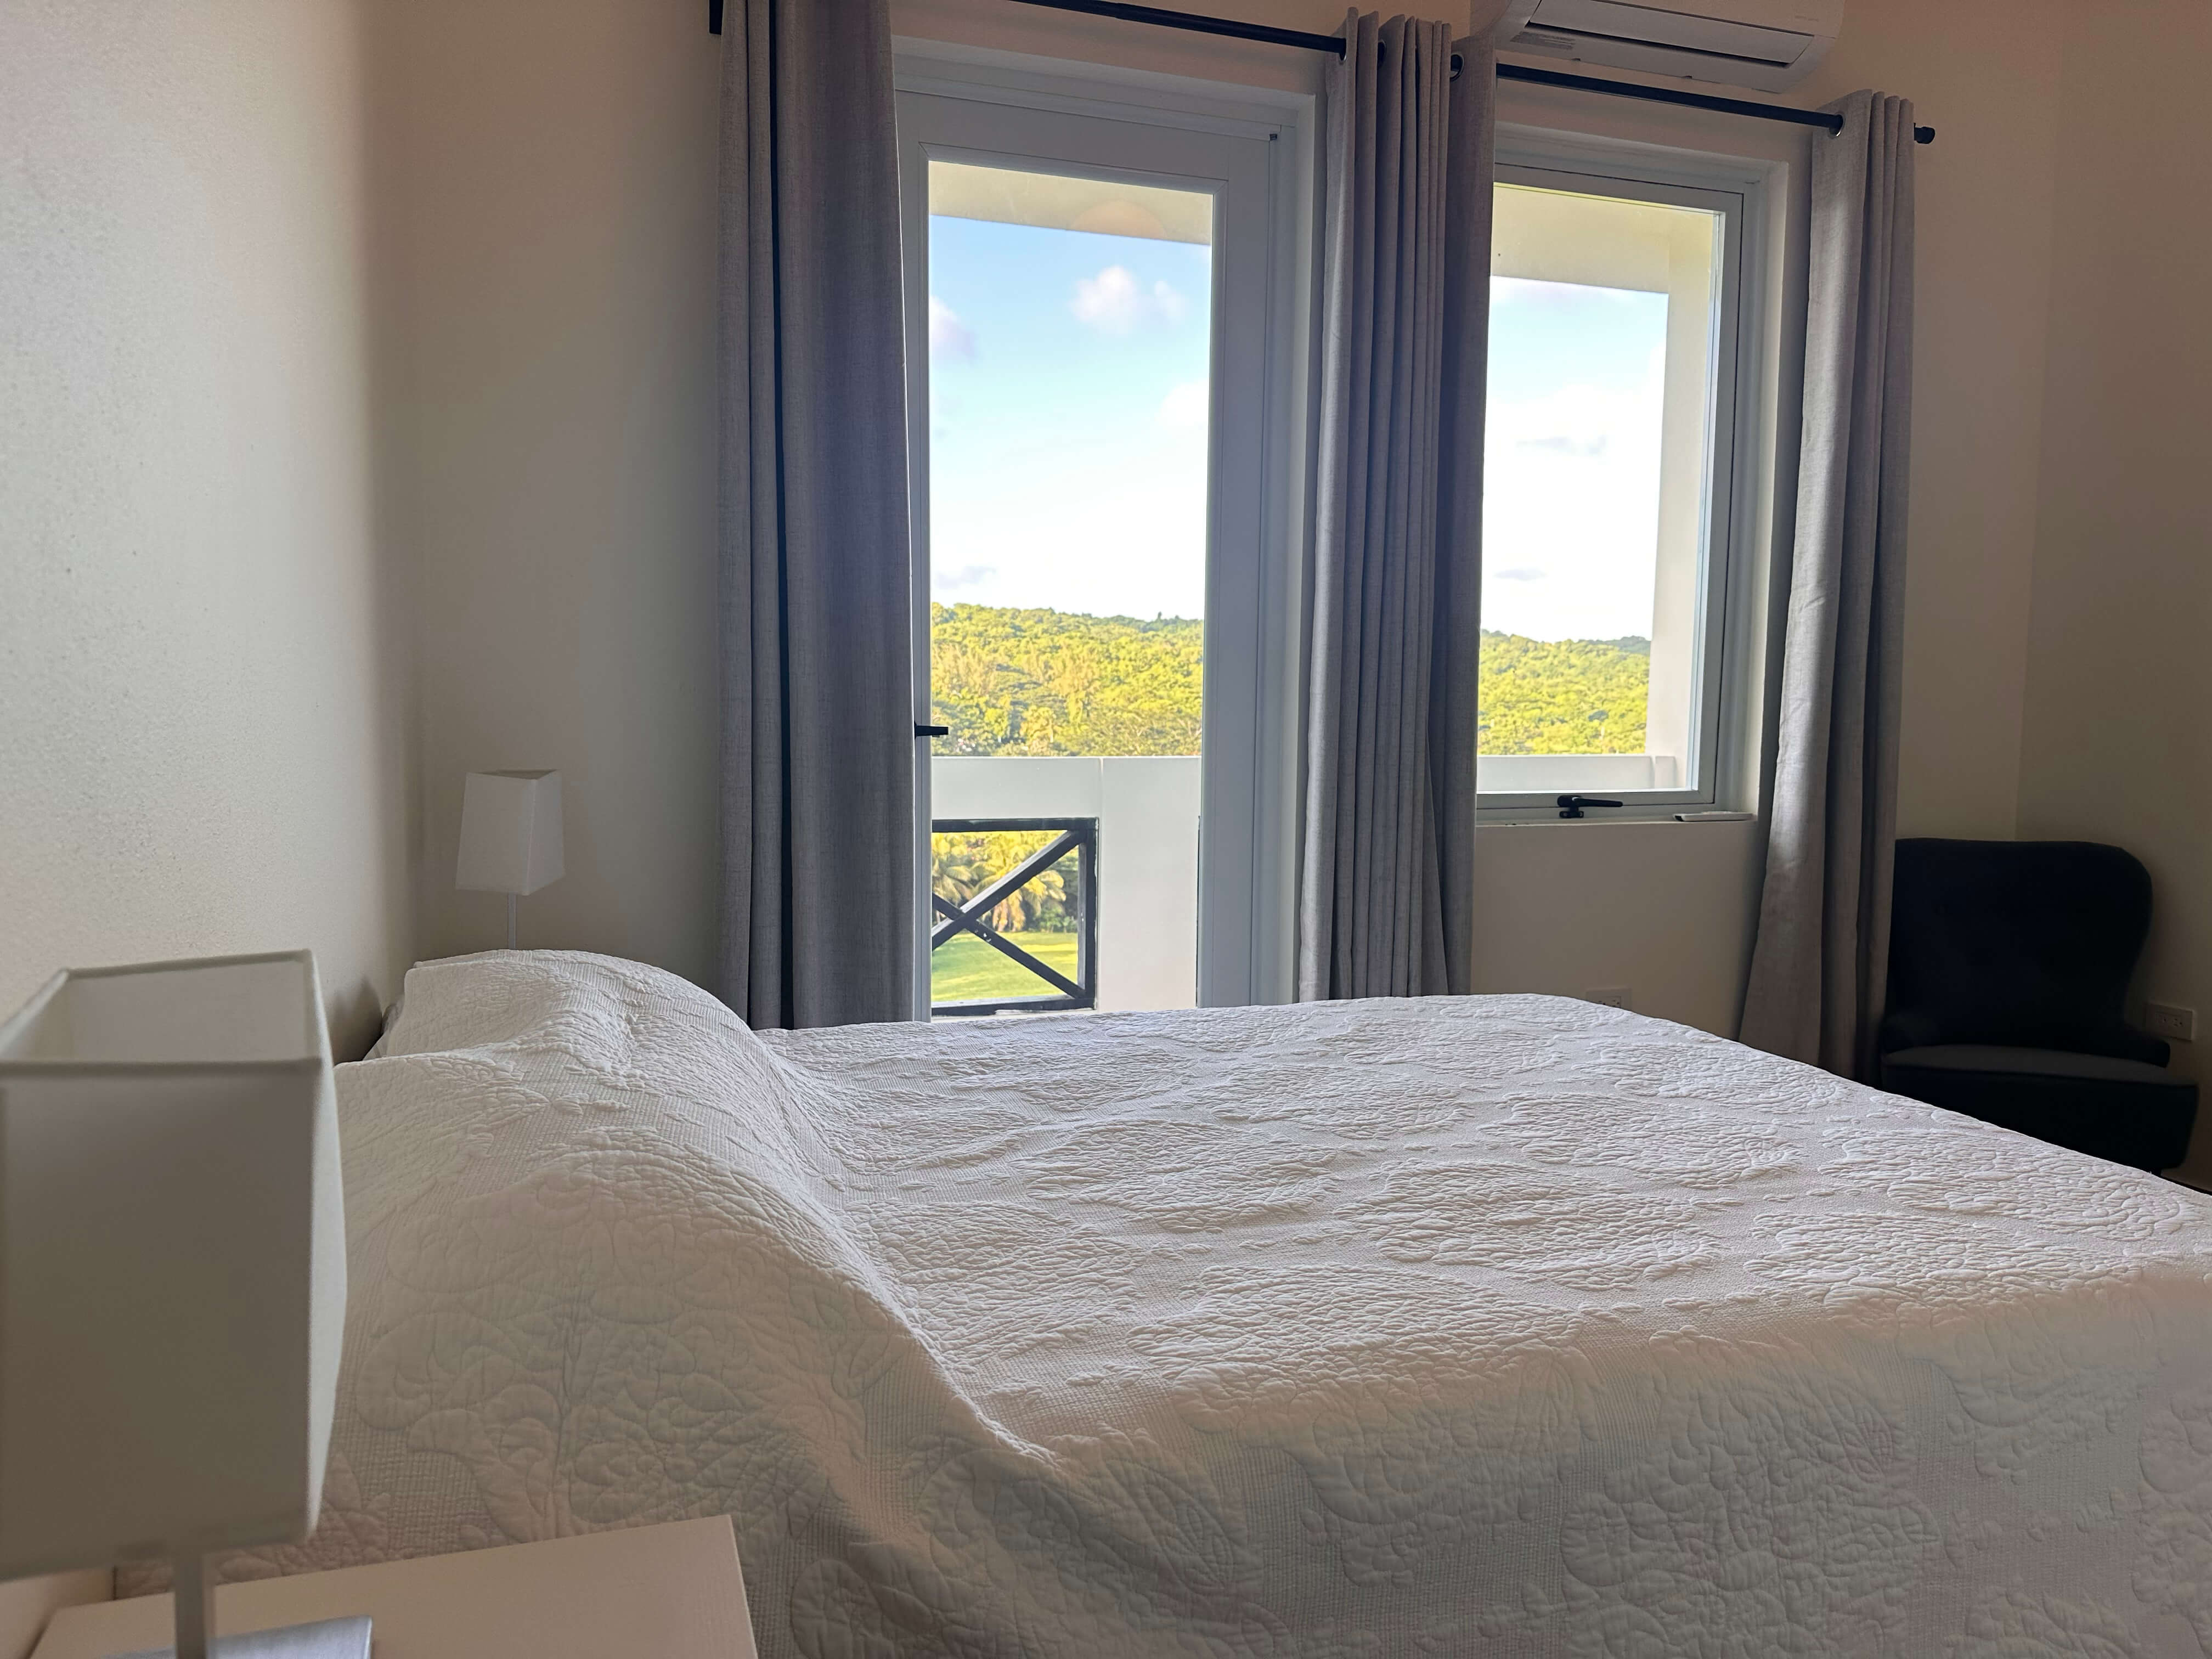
1248	825
1729	667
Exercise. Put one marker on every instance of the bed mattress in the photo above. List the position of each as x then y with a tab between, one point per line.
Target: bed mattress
1496	1324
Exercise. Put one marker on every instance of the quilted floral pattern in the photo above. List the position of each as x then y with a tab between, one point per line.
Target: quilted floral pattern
1503	1324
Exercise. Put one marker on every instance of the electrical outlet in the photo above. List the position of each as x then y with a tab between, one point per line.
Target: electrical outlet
2164	1019
1610	996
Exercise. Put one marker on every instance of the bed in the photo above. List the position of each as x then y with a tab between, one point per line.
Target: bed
1497	1324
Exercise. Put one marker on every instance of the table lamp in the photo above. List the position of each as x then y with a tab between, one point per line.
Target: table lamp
172	1271
510	835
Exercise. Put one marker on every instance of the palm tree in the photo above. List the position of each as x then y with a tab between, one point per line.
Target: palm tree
962	866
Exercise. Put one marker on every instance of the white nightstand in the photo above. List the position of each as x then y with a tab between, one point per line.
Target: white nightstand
674	1589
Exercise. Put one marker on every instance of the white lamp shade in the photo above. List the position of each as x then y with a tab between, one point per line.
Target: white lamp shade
171	1261
510	831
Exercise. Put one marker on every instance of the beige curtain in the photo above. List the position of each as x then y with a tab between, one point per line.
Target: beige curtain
1818	973
1386	903
818	741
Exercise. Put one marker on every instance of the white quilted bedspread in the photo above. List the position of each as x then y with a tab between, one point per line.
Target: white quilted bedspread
1495	1325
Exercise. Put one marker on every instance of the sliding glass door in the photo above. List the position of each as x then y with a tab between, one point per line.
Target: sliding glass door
1090	436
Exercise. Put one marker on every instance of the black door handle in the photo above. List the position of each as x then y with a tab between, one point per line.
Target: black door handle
1570	806
931	731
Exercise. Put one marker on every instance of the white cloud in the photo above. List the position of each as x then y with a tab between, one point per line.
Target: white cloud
1185	409
1113	301
948	336
944	583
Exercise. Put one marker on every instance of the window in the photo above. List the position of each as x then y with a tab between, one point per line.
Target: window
1608	522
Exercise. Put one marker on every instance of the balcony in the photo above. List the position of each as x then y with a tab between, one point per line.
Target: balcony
1121	832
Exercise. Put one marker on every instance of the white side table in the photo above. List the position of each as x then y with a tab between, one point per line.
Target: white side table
673	1590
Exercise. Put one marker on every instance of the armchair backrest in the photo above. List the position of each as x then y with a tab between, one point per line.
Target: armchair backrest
2024	943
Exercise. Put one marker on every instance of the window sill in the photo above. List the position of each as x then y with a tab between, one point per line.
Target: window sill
1487	818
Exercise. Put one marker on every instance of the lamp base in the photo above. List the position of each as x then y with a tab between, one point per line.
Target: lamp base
326	1638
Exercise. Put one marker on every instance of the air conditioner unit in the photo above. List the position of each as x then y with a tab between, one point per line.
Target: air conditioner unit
1768	44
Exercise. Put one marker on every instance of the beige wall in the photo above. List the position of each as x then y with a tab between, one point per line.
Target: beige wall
2119	742
548	243
202	743
553	263
1984	73
1662	909
996	26
214	750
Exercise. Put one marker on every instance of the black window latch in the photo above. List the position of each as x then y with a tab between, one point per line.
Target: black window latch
1570	806
931	731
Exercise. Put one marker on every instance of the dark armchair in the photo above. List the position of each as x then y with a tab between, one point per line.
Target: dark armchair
2008	967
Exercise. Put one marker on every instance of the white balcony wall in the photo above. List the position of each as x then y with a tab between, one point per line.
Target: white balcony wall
1147	812
1575	774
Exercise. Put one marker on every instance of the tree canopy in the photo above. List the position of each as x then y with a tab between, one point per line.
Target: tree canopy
1563	696
1015	682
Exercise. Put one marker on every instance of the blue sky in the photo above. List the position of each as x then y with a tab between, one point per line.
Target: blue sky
1068	419
1068	443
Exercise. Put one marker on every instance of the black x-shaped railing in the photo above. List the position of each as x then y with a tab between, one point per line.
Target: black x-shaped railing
1078	836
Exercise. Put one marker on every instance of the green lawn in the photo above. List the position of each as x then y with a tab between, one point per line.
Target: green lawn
965	969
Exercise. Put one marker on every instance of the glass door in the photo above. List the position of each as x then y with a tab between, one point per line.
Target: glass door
1089	516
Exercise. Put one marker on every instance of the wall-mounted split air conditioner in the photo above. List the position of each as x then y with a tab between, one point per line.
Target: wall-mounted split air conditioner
1767	44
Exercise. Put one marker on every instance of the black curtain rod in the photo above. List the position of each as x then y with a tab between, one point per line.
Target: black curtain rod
1333	44
1196	24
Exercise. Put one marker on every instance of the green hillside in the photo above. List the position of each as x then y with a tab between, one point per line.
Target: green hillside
1010	682
1563	696
1051	683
